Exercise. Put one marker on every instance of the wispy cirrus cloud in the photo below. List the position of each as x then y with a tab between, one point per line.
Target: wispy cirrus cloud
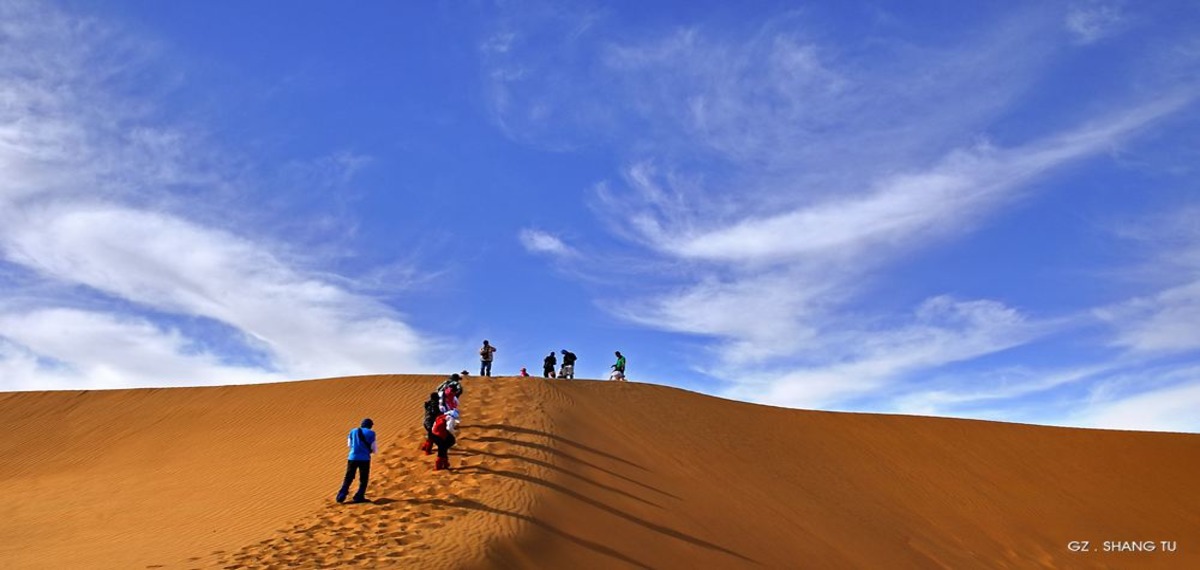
62	348
309	325
996	394
777	178
844	363
1093	20
773	282
1160	398
529	98
1165	321
539	241
118	226
909	207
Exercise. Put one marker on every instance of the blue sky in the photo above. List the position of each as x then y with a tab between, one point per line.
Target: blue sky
986	210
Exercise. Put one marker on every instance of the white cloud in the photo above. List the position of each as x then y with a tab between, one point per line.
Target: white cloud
1166	322
89	206
775	176
908	207
784	103
847	363
66	131
530	97
310	326
962	394
1092	20
1168	406
829	169
74	349
754	318
538	241
770	284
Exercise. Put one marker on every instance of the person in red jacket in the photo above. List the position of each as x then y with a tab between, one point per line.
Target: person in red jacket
448	396
443	432
443	399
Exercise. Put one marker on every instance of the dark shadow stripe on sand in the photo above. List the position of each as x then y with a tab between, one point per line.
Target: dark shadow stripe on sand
599	505
477	506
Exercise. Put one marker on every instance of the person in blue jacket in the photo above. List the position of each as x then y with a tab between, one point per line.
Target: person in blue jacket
362	444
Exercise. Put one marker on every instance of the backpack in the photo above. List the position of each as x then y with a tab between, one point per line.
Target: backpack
432	410
455	384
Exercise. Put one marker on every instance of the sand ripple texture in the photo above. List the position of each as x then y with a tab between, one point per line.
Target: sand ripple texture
569	474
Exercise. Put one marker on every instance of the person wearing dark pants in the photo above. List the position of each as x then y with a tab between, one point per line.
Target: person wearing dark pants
362	444
486	355
548	365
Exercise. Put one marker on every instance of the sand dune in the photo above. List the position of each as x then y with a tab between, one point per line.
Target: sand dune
554	474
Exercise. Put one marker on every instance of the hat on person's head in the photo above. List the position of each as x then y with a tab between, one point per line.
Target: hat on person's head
368	423
455	376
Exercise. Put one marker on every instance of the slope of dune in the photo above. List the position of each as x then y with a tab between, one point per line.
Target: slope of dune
553	474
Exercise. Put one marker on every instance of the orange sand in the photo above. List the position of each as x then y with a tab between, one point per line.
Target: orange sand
570	474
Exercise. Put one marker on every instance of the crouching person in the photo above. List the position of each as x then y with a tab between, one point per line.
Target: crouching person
443	432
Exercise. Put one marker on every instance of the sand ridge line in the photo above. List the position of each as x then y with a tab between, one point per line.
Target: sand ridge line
554	474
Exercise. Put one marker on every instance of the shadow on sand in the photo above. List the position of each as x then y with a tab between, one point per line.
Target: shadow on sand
569	457
471	451
575	444
477	506
600	505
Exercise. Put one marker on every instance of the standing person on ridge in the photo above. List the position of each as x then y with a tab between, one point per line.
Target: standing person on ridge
568	367
548	365
362	444
618	368
485	359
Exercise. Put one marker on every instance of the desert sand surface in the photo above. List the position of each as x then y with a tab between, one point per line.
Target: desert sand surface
570	474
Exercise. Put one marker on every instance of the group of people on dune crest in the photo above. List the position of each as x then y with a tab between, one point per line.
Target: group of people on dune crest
568	366
488	351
